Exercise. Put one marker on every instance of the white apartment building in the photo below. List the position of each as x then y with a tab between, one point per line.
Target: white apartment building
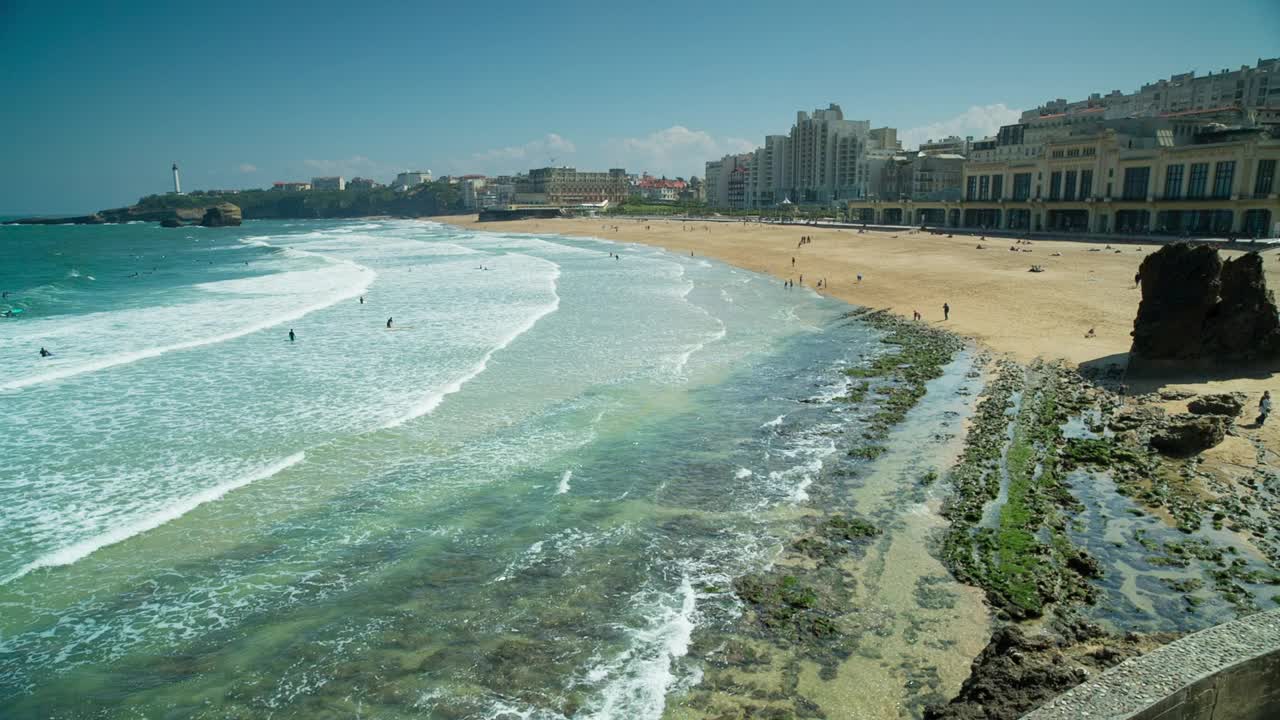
1249	88
410	178
823	159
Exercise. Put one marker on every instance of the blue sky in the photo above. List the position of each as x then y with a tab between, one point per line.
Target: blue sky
99	99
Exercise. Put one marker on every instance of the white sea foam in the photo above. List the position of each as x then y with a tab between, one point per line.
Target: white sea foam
742	474
433	400
638	679
774	422
564	482
71	553
359	279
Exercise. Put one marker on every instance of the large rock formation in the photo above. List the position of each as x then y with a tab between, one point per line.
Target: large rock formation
221	215
1185	434
1198	311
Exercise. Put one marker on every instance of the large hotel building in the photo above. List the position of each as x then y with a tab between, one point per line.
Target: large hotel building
1180	156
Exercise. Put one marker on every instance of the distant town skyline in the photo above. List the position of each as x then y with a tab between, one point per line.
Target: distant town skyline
100	103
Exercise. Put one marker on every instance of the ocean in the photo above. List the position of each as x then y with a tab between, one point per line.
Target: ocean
523	499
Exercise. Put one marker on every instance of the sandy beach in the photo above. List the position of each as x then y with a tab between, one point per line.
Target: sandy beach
994	297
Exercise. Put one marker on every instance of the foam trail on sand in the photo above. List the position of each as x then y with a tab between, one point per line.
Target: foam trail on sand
86	547
432	401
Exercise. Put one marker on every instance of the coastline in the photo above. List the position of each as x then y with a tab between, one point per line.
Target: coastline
994	298
1047	610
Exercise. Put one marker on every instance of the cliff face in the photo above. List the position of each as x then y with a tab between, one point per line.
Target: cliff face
221	215
1198	311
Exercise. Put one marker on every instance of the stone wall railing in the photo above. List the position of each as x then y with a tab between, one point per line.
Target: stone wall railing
1227	672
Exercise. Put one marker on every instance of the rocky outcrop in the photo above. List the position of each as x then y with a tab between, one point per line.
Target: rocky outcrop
1198	311
1228	404
1018	672
1244	323
171	222
221	215
1185	434
94	219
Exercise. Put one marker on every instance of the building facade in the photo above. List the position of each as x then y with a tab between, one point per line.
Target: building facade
1134	176
822	160
920	177
410	178
291	186
1249	88
335	182
716	181
567	186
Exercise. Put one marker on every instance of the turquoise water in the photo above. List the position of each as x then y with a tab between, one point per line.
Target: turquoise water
521	500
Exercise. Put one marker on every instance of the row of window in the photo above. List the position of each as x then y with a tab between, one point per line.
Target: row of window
1072	184
1075	152
1064	186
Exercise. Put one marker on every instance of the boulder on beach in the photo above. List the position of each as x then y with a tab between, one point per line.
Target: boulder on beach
1185	434
221	215
1228	404
1198	311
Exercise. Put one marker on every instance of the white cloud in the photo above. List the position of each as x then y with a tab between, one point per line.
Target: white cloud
248	168
677	150
538	152
978	121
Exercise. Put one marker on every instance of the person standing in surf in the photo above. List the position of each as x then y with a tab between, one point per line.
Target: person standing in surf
291	336
388	323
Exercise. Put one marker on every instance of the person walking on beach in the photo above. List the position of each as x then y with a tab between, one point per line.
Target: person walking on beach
946	311
1264	408
291	335
388	323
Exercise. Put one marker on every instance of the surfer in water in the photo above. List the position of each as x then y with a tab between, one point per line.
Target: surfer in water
361	299
45	353
291	335
388	323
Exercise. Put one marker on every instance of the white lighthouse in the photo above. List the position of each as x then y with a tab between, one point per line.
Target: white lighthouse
177	186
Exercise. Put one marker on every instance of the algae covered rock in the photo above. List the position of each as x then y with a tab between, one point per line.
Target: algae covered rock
1186	434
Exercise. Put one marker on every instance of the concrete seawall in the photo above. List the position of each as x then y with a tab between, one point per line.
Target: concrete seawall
1227	672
